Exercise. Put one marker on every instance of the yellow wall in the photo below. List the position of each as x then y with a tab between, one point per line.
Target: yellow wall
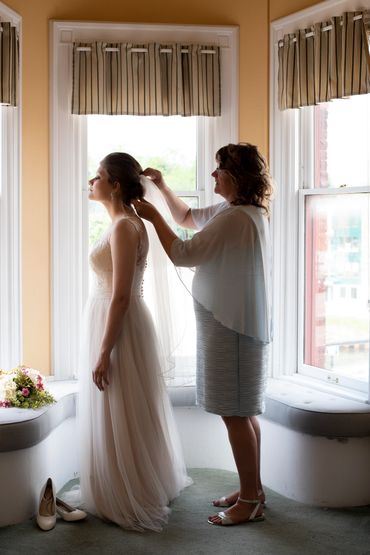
253	18
281	8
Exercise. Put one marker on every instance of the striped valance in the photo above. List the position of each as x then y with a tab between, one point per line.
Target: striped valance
328	60
8	64
146	79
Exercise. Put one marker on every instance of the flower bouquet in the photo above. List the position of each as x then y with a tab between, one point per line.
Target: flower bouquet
24	388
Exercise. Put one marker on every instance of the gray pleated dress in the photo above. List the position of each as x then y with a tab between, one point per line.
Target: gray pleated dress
231	368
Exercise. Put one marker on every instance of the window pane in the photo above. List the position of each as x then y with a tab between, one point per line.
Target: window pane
192	202
337	284
170	145
165	143
342	142
98	221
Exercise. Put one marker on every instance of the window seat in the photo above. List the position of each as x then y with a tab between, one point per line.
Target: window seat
315	444
23	428
292	405
36	444
315	447
307	410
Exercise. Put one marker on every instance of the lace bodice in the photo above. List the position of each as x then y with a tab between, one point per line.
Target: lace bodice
102	266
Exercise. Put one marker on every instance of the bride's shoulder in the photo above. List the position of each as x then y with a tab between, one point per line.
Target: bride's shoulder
127	227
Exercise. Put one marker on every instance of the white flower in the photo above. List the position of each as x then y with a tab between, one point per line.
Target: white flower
7	386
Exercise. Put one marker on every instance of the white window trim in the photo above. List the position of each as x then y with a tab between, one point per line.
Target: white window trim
288	156
68	161
10	227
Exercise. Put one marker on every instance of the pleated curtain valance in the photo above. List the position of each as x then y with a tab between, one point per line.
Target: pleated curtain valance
9	53
326	61
146	79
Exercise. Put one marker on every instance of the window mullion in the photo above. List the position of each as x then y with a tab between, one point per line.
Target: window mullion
285	159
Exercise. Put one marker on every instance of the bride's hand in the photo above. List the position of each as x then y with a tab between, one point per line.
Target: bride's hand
100	373
156	176
145	209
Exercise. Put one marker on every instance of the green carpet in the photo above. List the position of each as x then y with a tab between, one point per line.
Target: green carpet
289	529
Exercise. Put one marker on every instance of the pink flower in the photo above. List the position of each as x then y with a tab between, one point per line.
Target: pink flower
39	386
4	404
25	391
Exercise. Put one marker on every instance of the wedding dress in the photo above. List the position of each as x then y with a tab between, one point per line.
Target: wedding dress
130	454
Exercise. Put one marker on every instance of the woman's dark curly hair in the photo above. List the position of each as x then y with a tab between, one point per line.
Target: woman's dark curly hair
126	170
249	170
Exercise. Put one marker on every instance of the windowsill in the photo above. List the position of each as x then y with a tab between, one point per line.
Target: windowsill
180	395
323	387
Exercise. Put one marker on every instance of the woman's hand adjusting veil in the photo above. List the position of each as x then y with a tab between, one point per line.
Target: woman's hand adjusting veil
145	209
179	210
155	176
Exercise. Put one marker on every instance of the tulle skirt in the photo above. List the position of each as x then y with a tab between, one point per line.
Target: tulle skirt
130	454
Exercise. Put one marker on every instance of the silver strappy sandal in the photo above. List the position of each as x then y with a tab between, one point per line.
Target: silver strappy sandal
226	520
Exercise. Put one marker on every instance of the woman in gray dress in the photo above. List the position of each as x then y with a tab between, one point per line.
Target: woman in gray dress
231	290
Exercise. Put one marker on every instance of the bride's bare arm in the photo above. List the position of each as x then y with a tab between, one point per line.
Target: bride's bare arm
124	243
180	211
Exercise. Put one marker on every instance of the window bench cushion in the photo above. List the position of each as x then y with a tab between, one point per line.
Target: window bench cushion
314	412
22	428
292	405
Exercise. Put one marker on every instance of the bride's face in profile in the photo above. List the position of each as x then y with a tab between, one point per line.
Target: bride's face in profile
100	187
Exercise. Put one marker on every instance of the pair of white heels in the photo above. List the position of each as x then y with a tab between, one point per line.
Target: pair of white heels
50	505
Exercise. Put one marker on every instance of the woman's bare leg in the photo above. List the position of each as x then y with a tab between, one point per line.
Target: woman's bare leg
257	431
244	444
232	497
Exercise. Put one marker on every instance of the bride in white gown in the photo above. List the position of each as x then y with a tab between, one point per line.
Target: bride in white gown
131	460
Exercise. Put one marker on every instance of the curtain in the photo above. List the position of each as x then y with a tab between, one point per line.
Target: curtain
9	52
328	60
146	79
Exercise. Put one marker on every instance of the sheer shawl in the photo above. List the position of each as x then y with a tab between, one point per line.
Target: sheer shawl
232	255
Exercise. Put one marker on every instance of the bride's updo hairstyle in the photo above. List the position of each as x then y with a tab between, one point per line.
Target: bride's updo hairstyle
123	168
250	173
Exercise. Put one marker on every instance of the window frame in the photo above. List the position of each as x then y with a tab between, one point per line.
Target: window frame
10	218
291	155
302	368
68	161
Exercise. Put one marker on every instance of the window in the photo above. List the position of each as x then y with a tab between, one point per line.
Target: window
170	145
191	146
320	158
336	258
10	316
335	241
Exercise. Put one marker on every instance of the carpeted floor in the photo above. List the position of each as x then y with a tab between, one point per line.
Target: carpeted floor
289	529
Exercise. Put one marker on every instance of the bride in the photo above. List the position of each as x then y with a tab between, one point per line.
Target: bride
131	459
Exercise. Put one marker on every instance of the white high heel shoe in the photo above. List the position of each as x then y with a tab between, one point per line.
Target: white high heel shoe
69	513
47	514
